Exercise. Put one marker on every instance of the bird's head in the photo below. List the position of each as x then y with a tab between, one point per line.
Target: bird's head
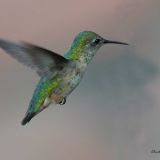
87	43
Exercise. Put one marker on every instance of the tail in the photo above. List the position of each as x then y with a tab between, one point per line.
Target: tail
31	114
39	100
27	118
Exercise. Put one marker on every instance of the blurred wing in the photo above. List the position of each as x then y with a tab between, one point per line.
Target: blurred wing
45	62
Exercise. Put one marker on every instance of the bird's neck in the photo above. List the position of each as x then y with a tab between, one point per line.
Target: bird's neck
80	55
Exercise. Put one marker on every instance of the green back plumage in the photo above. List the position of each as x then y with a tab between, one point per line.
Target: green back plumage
43	90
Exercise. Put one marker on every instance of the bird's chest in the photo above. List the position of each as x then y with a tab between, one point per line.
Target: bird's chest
71	78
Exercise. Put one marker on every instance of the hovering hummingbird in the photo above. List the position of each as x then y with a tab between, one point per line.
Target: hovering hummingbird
59	75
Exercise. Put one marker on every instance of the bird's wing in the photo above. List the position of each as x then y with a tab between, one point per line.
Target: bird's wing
45	62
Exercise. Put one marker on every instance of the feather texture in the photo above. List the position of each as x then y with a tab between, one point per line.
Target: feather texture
45	62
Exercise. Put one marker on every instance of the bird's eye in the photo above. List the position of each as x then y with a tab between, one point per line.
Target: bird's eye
96	41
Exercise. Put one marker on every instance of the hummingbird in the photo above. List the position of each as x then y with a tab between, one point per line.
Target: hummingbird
59	75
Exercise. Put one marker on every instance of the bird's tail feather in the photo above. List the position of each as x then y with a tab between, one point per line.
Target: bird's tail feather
30	114
28	117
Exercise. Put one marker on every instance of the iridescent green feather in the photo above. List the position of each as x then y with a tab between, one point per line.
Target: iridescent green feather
78	46
44	89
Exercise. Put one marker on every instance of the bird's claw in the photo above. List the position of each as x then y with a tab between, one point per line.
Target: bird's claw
63	101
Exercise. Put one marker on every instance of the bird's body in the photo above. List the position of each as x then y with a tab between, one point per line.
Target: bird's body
59	75
57	89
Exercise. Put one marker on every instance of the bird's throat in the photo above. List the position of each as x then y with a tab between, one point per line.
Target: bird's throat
82	56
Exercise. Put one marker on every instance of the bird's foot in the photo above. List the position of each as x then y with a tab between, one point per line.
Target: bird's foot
63	101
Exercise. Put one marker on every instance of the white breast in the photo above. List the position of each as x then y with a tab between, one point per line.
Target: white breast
74	77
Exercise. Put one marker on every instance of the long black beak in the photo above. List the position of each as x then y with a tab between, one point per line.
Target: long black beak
116	42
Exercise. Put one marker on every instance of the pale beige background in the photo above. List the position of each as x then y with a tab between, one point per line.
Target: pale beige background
115	113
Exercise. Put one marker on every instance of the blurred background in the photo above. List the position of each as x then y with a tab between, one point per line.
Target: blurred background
114	113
